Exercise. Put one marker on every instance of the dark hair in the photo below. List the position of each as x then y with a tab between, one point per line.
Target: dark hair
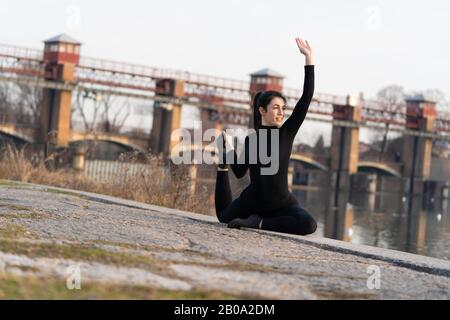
262	99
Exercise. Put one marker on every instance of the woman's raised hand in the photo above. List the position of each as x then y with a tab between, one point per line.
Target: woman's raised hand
305	49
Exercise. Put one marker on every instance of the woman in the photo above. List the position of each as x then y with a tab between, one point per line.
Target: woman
267	203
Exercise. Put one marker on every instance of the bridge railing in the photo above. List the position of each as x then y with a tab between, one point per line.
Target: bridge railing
21	52
162	73
206	87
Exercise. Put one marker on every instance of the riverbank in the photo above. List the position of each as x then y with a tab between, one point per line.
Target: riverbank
125	249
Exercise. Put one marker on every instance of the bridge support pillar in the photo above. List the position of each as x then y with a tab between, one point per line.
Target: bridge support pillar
339	218
61	55
420	117
166	116
79	158
345	143
416	228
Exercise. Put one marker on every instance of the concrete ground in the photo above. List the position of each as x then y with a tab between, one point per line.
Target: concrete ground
46	233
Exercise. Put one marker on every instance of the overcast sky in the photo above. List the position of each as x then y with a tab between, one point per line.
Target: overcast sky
359	45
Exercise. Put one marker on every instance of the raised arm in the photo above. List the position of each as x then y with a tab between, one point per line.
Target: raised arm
298	115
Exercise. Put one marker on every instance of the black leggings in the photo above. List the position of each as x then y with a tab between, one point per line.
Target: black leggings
293	219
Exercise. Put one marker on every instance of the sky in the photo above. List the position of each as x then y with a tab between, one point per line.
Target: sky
359	46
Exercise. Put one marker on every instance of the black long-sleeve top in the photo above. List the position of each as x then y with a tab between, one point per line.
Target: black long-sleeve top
269	192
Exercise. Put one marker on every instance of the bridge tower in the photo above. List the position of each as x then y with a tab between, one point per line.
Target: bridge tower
420	116
345	141
265	79
61	55
166	116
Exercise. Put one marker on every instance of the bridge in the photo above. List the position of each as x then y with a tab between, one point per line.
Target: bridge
25	135
60	71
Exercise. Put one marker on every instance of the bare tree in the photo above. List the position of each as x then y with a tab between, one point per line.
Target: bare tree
6	103
80	105
392	99
319	146
114	115
30	99
435	95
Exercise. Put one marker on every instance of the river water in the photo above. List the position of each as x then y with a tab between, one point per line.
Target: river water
381	220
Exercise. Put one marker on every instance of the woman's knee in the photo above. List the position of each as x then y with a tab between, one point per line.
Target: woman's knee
310	226
307	224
